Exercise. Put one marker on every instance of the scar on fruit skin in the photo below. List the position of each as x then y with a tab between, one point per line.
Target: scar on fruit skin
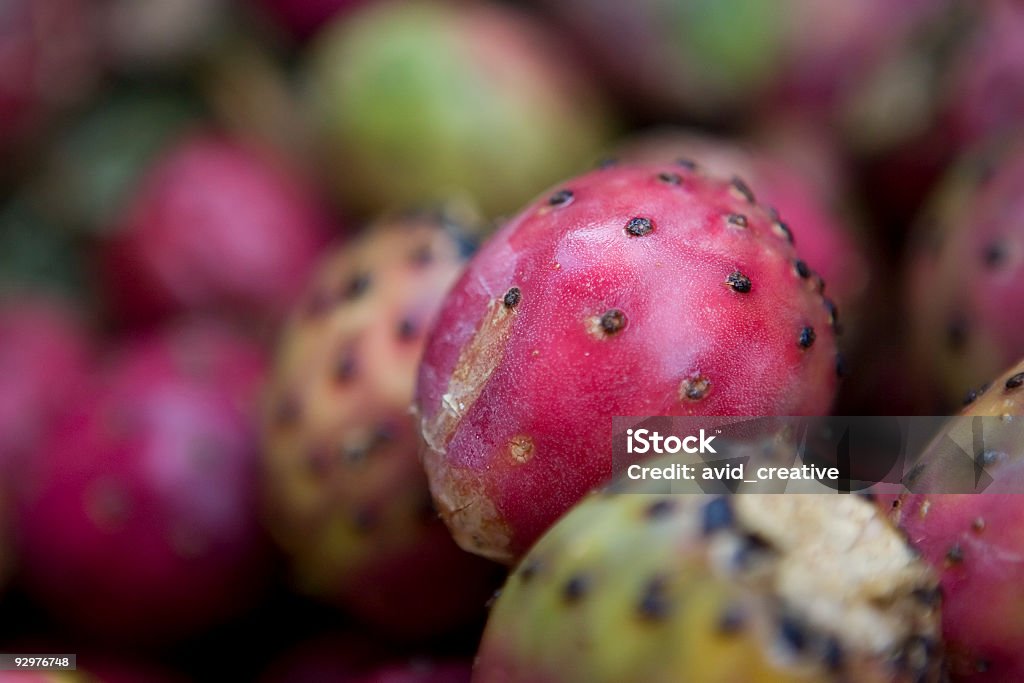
477	361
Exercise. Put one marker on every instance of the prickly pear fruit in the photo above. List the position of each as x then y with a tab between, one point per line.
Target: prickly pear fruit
138	520
985	92
348	499
825	237
215	226
632	290
976	541
45	353
409	97
966	292
709	589
48	61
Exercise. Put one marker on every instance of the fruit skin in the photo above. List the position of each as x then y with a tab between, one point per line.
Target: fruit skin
45	357
453	74
984	95
48	61
137	521
347	496
826	238
711	589
975	541
215	226
965	294
45	360
565	318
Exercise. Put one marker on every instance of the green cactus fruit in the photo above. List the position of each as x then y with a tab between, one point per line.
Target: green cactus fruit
716	589
418	101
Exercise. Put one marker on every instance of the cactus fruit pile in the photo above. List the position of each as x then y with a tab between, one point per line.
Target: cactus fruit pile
329	330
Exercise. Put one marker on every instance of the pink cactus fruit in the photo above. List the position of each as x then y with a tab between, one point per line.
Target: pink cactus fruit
138	520
48	62
976	541
649	289
216	226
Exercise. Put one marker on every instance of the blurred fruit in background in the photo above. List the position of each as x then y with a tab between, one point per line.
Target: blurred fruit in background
48	62
702	58
216	226
136	520
95	163
965	296
146	37
347	495
417	101
45	360
37	253
984	88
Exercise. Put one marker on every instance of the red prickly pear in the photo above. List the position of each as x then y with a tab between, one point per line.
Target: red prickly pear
985	91
138	519
44	361
976	541
215	227
347	496
633	290
48	61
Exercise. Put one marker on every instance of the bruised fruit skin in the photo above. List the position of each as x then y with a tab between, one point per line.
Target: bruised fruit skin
408	95
137	521
215	226
632	290
347	496
656	588
976	542
966	297
825	238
